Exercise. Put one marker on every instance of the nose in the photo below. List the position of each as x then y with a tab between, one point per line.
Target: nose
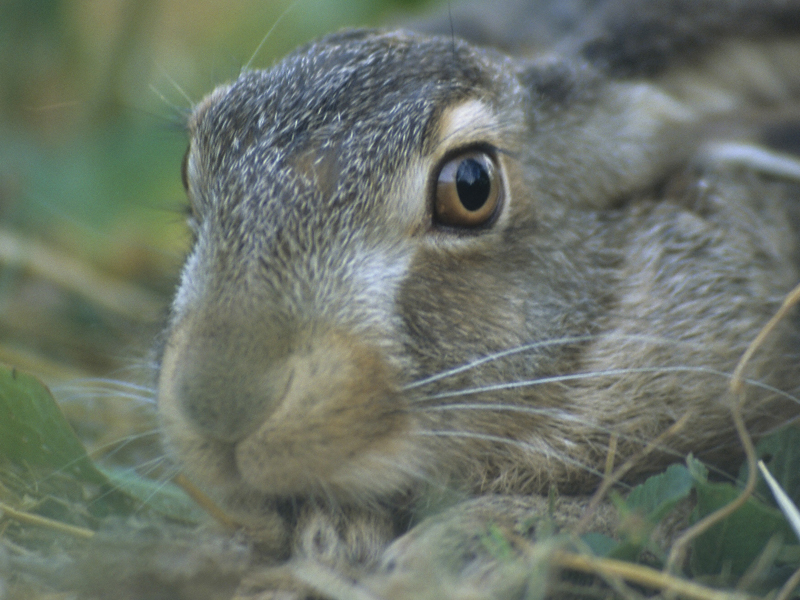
225	386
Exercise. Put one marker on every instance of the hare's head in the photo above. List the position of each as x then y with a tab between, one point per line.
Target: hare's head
406	249
320	190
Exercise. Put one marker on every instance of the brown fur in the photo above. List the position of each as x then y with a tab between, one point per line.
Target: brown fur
305	371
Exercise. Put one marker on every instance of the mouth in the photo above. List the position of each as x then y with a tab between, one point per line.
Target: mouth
341	454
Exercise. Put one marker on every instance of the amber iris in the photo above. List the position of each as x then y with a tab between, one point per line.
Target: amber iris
467	191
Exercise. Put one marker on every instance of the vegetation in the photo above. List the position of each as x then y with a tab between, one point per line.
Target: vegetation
92	99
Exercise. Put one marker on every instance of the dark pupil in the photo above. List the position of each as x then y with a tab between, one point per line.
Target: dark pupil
472	184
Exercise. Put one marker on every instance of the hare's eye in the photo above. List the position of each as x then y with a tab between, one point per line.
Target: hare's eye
191	211
185	170
468	191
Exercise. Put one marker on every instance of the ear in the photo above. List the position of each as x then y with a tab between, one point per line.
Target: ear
638	89
631	38
515	27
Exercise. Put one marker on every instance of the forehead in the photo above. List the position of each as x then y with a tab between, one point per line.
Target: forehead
344	89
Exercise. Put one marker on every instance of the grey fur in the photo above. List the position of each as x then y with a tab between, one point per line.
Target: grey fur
304	371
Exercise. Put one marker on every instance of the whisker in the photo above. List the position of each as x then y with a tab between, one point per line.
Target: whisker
98	388
249	63
550	412
607	373
495	356
178	88
67	466
161	485
116	487
146	467
509	442
107	394
534	346
144	365
92	383
531	410
119	444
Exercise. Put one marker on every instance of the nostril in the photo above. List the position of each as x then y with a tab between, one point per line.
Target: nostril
227	404
213	406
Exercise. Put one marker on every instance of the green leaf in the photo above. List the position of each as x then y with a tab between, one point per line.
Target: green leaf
660	493
165	498
781	453
34	432
37	439
735	543
600	544
697	469
646	505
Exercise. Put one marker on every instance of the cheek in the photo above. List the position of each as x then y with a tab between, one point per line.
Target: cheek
458	308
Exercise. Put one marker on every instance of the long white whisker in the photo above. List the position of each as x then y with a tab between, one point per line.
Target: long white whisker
533	346
495	356
157	490
269	33
146	467
91	383
120	444
90	455
108	394
180	90
549	412
610	372
115	487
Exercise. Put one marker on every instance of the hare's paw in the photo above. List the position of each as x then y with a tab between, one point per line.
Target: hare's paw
344	540
480	548
331	547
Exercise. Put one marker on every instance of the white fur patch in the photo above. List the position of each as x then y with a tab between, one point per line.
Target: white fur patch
467	122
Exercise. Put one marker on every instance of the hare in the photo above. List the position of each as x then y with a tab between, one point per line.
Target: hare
423	266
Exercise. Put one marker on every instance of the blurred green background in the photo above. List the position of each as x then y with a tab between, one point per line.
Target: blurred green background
93	96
